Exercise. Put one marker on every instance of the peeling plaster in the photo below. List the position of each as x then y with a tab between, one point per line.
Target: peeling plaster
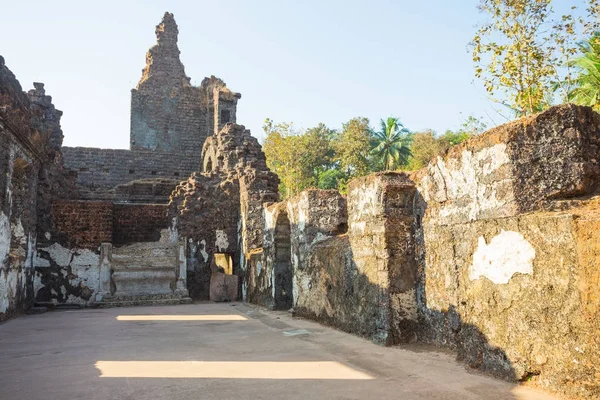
303	206
203	250
507	253
4	236
462	178
258	268
31	251
173	233
18	232
221	243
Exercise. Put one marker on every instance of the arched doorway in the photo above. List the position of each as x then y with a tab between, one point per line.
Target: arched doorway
283	264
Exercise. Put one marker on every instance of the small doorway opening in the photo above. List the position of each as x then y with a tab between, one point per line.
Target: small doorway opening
283	264
224	262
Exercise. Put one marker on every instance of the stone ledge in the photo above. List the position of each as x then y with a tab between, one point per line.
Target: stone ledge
143	301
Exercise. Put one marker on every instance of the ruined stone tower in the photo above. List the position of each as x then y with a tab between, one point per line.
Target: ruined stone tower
170	121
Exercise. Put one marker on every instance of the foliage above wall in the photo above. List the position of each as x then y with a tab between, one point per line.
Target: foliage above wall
326	158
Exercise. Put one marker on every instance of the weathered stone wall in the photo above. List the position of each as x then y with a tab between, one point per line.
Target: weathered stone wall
204	210
351	261
99	170
81	224
138	223
220	210
380	222
30	140
68	259
505	260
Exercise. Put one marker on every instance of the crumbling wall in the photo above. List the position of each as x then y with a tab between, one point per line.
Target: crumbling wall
170	121
100	170
166	114
204	210
353	261
220	210
505	260
138	223
30	140
68	259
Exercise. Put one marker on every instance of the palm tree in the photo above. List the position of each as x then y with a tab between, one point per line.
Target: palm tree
587	84
390	145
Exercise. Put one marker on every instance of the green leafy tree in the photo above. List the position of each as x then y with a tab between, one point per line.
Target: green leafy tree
425	147
471	127
390	145
300	159
332	179
511	53
317	152
587	83
353	146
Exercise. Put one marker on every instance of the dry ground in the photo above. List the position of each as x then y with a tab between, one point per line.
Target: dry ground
219	351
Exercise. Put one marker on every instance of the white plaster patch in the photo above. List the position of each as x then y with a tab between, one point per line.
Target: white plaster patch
203	250
60	255
366	201
4	236
37	283
221	243
173	233
258	268
507	253
31	251
269	218
86	267
303	206
461	178
47	235
3	292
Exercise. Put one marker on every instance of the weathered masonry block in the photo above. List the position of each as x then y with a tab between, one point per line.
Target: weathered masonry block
507	247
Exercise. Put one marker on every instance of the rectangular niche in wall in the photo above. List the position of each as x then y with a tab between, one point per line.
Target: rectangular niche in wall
225	116
225	262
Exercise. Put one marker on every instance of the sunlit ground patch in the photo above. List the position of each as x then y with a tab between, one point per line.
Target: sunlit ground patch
181	318
320	370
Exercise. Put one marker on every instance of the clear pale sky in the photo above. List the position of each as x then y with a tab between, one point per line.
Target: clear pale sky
305	62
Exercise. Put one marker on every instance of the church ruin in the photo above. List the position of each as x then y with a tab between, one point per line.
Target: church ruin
492	250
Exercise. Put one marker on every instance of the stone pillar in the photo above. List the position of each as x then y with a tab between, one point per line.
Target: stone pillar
105	271
182	273
380	220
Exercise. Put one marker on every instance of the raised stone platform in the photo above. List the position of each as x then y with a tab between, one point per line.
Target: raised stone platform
148	300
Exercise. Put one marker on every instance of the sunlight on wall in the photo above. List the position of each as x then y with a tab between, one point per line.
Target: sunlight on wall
322	370
181	318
